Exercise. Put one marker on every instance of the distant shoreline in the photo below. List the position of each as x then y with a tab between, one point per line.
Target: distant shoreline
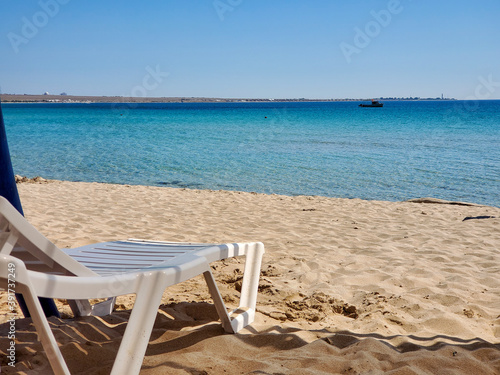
25	98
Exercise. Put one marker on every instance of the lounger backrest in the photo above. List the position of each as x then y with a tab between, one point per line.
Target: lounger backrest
21	240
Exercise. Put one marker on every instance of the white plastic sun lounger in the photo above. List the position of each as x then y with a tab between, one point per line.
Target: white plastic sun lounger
35	267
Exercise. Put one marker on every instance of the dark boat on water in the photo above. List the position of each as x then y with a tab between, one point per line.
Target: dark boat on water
375	103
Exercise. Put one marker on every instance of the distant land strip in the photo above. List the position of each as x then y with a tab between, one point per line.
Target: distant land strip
26	98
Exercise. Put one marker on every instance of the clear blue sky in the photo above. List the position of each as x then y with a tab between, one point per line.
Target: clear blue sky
252	48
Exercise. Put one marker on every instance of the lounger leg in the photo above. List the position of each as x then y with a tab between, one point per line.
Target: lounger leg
136	338
24	287
80	307
250	286
45	334
46	337
218	302
83	307
245	313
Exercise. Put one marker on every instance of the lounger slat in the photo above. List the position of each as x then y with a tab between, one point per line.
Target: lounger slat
136	258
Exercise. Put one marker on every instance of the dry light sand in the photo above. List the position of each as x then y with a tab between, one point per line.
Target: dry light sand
347	286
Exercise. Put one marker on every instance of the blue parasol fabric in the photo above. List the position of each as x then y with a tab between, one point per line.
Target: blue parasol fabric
8	189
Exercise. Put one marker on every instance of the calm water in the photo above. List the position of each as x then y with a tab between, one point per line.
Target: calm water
448	150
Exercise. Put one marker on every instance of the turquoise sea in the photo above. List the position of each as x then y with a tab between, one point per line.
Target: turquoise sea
407	149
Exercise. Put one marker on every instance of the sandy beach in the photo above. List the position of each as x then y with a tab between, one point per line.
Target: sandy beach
347	286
